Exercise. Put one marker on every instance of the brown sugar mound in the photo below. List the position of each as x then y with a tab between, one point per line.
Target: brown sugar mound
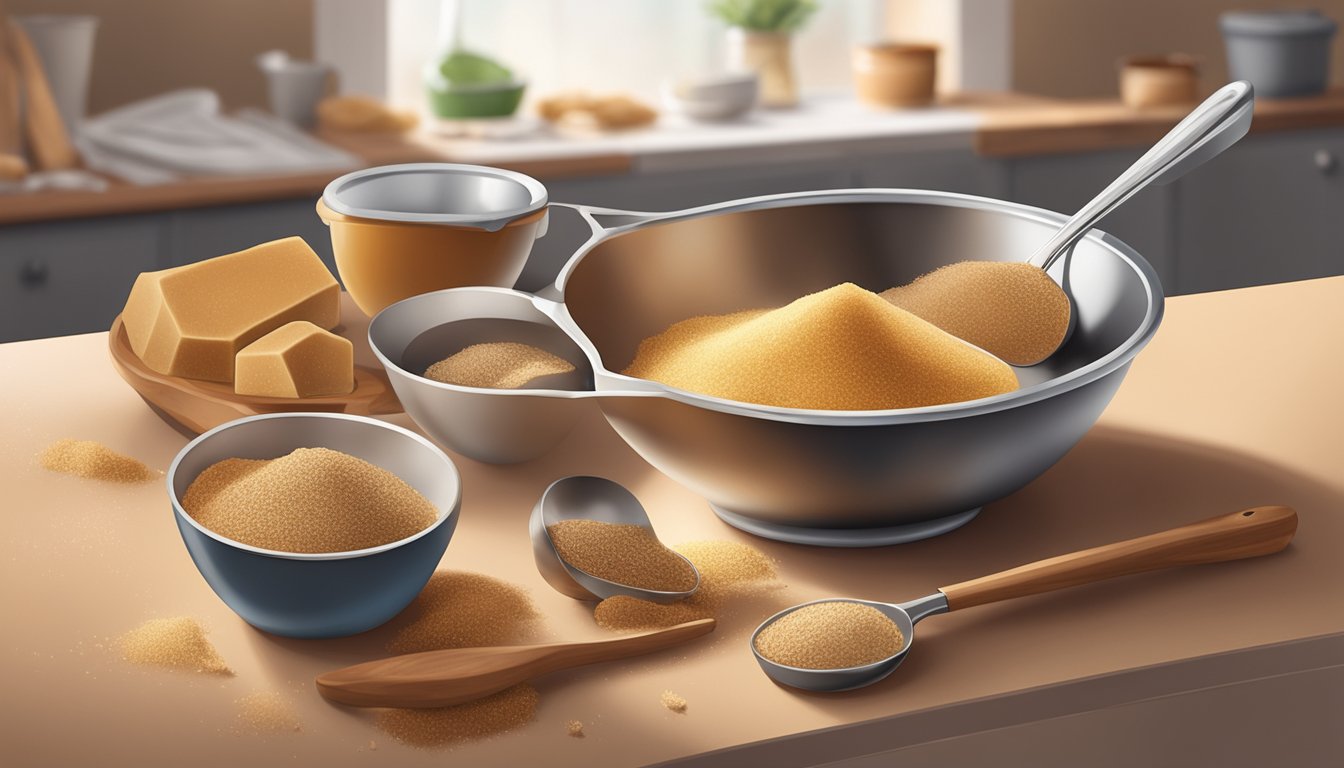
312	500
497	365
504	711
624	554
95	461
843	348
265	711
830	635
177	643
1012	310
466	610
673	701
728	571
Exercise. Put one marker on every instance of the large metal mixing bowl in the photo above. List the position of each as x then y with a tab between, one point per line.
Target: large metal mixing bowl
844	478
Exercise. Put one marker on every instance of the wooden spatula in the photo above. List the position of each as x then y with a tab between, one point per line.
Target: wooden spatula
459	675
48	141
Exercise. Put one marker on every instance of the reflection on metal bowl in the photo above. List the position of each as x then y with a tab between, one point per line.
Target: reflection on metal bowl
854	478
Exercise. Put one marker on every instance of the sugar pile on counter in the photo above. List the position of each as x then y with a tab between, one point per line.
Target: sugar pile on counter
466	610
504	711
268	711
843	348
728	571
674	702
497	365
624	554
312	500
95	461
830	635
575	728
176	643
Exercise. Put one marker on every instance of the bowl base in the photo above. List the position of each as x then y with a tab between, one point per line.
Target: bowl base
847	537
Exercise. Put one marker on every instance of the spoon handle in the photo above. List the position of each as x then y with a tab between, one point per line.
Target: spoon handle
1250	533
1213	126
458	675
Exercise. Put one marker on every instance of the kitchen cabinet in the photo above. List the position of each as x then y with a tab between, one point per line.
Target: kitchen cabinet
1269	211
946	171
59	278
72	277
201	233
1066	183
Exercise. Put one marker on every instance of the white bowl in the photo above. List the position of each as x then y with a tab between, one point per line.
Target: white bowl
721	97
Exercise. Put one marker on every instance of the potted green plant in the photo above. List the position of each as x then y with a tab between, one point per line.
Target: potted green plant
760	36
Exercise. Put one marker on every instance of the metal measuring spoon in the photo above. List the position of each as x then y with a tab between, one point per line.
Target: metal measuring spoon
1025	333
1249	533
590	498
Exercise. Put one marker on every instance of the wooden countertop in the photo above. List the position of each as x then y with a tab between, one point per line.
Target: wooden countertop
1232	405
124	199
1058	127
999	125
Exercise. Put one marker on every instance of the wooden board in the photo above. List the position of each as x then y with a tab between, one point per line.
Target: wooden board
11	119
196	406
48	140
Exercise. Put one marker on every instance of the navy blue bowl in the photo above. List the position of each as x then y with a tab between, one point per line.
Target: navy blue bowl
329	594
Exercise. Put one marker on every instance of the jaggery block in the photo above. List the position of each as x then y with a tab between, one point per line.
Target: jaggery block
297	359
192	320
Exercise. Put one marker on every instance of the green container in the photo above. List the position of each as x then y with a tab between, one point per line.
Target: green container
467	85
499	100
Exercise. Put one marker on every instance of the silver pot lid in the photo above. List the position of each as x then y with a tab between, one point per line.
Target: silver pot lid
1277	23
437	193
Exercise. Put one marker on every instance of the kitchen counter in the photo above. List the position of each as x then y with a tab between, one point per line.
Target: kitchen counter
1234	404
995	125
1059	127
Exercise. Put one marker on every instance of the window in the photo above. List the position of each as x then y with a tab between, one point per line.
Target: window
613	45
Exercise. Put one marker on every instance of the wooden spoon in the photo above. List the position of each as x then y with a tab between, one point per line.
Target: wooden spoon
459	675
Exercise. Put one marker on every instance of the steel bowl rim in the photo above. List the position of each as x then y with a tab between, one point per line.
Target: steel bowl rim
538	196
422	380
202	438
1079	377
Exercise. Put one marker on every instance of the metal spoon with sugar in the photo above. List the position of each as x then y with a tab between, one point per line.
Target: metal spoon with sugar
1249	533
599	499
1017	311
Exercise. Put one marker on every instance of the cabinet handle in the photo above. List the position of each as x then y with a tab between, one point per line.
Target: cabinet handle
34	272
1325	161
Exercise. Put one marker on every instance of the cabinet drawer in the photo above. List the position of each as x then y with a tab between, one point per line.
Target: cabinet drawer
194	235
946	171
1066	183
1270	210
71	277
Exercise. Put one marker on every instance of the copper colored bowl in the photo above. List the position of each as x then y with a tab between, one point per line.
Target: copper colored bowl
403	230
